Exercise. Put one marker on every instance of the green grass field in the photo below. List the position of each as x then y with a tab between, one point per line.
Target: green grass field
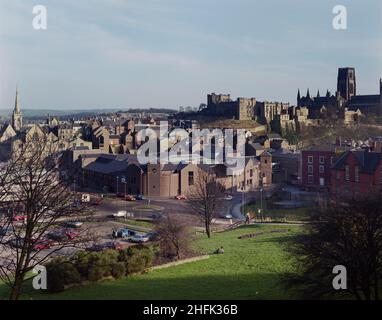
250	268
281	215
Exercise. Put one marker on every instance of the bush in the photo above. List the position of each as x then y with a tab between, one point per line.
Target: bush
136	259
60	273
118	270
96	266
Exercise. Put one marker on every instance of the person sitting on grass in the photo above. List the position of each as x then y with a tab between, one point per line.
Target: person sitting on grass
220	250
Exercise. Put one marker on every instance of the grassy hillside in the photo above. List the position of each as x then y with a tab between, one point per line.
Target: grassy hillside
250	268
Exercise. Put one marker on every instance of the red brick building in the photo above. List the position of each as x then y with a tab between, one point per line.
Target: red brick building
315	166
357	171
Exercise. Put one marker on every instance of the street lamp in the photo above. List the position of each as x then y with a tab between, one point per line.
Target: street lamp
117	184
261	203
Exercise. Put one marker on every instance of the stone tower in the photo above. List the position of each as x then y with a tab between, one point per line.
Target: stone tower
346	83
17	118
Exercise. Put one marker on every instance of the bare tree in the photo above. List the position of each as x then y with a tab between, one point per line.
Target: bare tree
174	236
348	232
35	198
204	197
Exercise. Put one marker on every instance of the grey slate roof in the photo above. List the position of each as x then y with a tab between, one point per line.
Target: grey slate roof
368	161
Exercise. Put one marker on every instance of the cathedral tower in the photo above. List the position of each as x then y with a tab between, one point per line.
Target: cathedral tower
346	83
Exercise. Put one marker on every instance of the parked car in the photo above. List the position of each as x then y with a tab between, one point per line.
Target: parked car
153	235
42	245
130	198
20	218
63	235
227	216
58	236
85	198
105	246
16	242
120	195
74	224
120	214
6	230
96	201
139	238
76	204
70	234
228	197
125	233
139	197
180	197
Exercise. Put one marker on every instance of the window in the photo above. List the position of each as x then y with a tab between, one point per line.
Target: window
347	173
322	169
310	169
337	175
251	173
322	159
191	178
310	179
310	159
356	174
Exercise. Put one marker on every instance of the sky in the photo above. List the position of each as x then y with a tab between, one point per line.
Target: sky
171	53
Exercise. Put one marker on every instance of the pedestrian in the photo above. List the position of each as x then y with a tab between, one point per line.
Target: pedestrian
247	218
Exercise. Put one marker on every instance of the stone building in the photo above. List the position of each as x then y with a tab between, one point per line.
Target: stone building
221	105
118	173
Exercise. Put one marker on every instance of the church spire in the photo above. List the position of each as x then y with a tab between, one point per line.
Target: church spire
17	118
17	105
308	94
298	96
318	93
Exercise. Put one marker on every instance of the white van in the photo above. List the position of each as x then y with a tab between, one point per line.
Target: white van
85	198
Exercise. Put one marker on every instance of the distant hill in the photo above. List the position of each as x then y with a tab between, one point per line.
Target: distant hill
38	113
43	113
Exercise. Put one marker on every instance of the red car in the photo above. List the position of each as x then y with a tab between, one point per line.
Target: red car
180	197
130	198
42	245
96	201
19	218
71	234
